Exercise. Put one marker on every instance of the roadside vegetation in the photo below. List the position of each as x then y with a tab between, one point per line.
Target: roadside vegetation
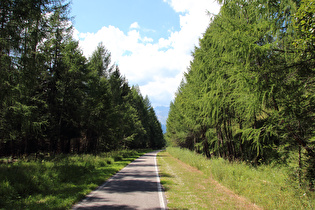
267	186
57	182
248	98
62	114
188	188
53	99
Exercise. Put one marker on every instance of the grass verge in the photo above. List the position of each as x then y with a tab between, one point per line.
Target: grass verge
266	186
57	182
188	188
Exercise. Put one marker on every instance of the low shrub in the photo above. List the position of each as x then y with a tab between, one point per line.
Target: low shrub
109	160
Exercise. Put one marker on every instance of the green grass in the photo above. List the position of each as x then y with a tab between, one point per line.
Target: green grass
267	186
57	182
187	188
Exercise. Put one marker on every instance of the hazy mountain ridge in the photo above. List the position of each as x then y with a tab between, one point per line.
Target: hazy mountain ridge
162	114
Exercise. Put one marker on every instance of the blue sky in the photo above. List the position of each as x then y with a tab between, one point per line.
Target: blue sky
150	40
155	16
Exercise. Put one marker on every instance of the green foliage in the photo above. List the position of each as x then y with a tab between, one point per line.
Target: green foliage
249	92
57	182
53	99
305	25
270	187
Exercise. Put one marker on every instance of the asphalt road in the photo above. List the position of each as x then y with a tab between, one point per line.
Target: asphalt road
137	186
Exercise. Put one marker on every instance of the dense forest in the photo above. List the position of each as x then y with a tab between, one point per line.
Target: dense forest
249	92
55	100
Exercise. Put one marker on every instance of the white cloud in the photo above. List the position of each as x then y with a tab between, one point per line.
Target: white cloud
161	89
156	66
146	39
180	5
134	25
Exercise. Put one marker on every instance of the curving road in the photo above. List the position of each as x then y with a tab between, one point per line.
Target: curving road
137	186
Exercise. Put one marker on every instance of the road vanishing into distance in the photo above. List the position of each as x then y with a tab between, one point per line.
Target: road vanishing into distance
137	186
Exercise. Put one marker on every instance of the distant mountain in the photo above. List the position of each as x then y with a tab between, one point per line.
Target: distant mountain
164	128
162	114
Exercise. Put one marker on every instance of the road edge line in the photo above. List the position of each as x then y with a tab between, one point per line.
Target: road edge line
160	192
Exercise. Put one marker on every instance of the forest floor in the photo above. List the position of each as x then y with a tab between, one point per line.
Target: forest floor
188	188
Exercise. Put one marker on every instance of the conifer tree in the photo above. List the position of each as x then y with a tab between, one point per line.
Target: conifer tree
53	99
248	93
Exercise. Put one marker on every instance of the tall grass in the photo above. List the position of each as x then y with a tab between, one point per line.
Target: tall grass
267	186
57	182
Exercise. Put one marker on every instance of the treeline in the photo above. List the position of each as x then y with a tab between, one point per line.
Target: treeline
53	99
249	93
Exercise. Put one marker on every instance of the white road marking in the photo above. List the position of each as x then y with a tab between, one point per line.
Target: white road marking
160	203
161	198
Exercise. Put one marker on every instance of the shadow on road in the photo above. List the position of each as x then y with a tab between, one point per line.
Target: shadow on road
134	187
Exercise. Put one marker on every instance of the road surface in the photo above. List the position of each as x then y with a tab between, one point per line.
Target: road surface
137	186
